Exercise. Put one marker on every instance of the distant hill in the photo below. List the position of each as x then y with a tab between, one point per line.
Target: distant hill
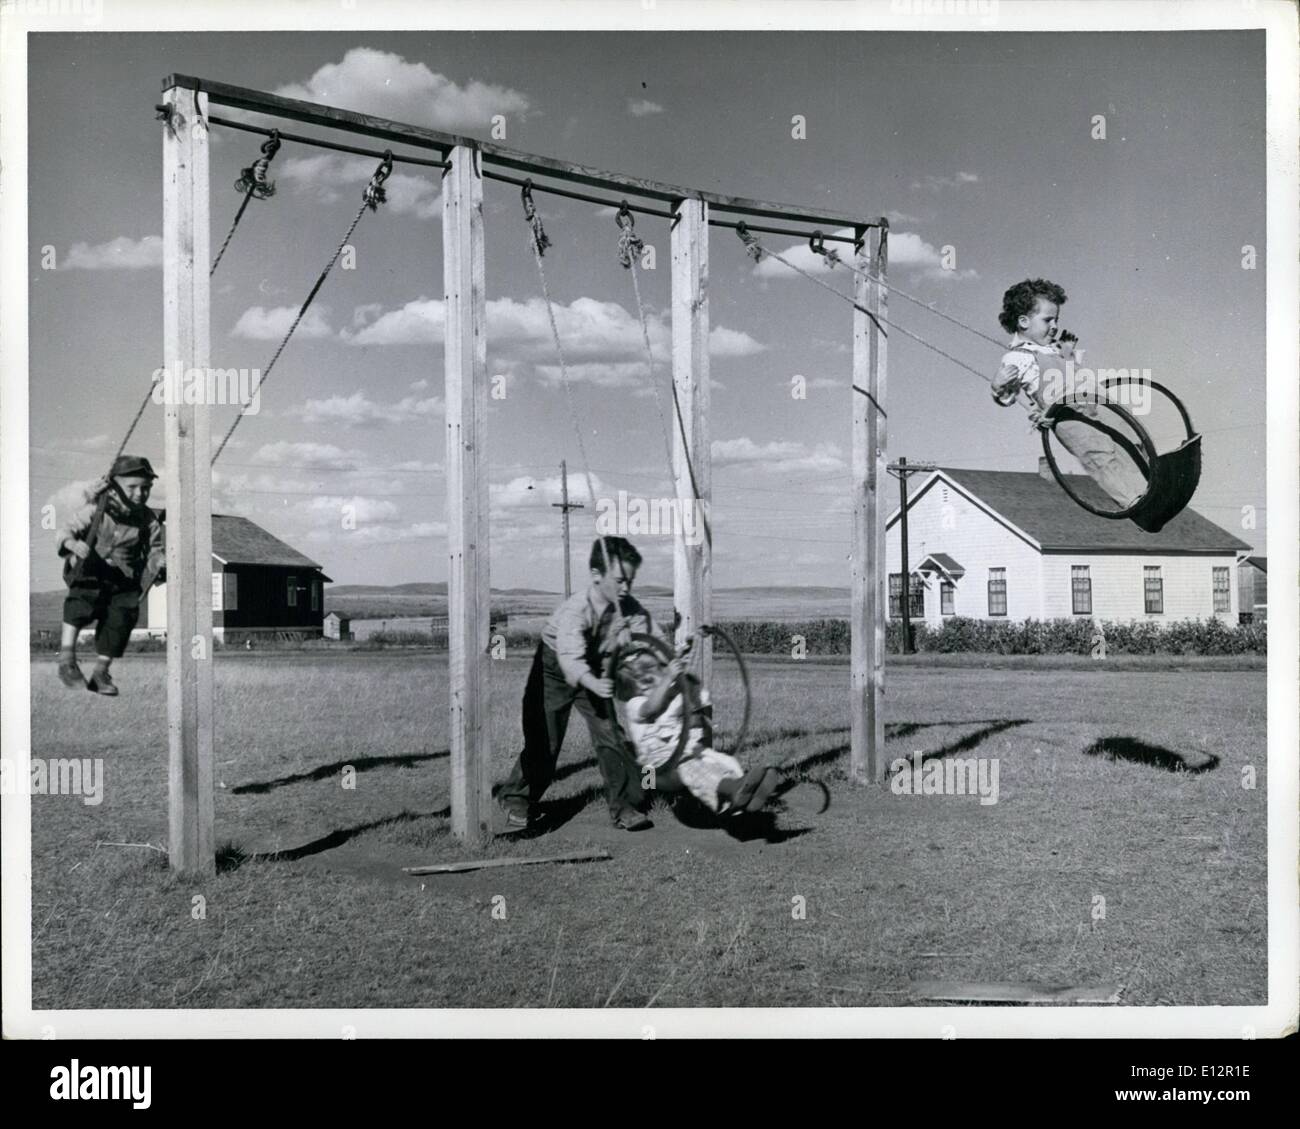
426	598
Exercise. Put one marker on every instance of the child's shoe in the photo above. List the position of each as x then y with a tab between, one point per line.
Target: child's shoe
516	816
629	819
70	674
102	683
755	789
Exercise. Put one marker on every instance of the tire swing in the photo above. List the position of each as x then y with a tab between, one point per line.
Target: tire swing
1171	477
666	778
665	775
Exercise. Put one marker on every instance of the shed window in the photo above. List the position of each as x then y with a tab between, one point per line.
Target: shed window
947	594
292	591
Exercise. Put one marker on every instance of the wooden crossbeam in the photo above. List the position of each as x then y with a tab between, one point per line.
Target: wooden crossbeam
273	105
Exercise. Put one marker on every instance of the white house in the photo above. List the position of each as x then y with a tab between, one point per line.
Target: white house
1006	544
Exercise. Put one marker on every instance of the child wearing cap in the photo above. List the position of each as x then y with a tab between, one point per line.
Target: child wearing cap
113	550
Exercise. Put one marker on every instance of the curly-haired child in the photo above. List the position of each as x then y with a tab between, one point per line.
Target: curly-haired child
1030	310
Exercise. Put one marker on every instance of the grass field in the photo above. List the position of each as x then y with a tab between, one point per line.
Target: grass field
896	888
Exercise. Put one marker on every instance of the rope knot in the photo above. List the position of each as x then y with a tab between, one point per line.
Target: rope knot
539	236
752	246
630	244
253	180
817	244
374	194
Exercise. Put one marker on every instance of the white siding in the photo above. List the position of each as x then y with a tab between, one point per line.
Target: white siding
977	542
943	520
1117	586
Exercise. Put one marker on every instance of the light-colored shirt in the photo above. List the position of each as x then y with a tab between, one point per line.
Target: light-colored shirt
584	619
656	741
1020	369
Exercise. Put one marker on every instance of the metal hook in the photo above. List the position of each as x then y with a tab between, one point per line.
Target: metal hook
817	242
624	218
526	194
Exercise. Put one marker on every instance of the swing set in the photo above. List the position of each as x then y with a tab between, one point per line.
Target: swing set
465	165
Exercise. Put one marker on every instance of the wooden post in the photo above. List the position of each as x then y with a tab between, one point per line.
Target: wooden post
188	480
867	724
692	563
468	591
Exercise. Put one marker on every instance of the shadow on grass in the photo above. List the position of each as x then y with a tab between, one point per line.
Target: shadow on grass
1153	756
231	857
961	745
326	771
744	827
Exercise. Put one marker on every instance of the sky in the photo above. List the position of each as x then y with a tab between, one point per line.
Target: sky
982	144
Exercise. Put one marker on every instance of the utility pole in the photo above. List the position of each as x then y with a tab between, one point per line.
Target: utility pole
902	470
564	507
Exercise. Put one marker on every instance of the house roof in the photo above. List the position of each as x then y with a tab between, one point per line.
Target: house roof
1260	563
942	562
1039	509
236	540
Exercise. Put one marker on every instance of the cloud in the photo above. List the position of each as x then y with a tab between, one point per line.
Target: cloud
363	509
117	254
357	410
379	534
308	456
419	385
528	493
91	443
902	217
907	250
932	183
643	107
419	322
777	456
261	324
328	174
386	85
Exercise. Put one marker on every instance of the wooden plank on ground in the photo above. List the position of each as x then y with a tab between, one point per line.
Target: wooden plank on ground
487	864
1013	992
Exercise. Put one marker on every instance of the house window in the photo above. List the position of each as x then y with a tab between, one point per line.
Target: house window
1153	589
292	591
997	591
916	596
1081	590
947	594
232	591
1222	593
315	595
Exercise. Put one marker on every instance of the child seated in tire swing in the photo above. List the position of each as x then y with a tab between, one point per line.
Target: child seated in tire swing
649	704
1039	352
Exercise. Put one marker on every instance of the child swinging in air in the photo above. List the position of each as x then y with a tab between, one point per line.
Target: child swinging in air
113	552
1029	313
649	705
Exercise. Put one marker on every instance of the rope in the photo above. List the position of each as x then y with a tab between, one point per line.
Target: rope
833	259
538	241
371	198
630	246
252	183
757	251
